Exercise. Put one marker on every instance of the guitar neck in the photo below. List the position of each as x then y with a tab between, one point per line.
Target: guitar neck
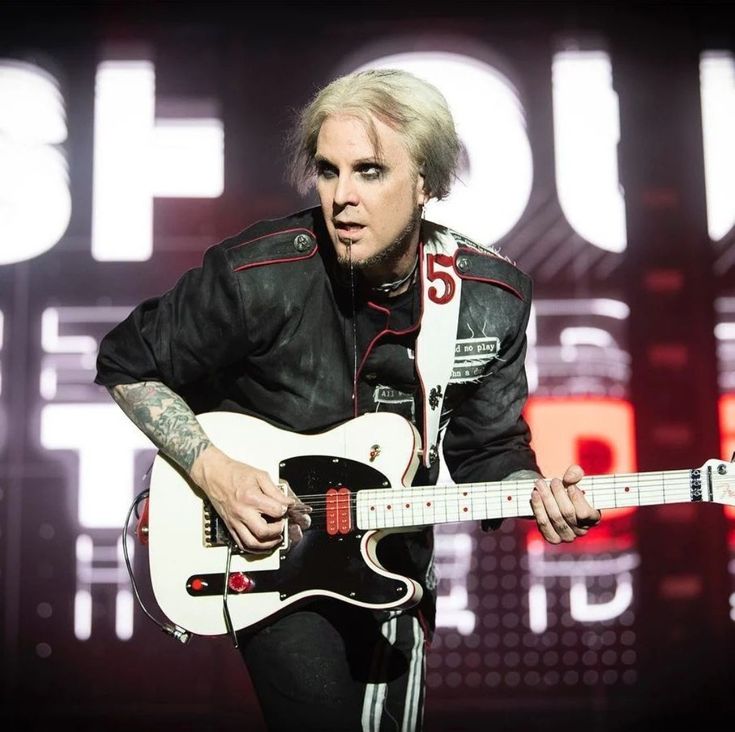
384	508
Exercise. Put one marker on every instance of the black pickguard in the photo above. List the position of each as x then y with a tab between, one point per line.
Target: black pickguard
321	563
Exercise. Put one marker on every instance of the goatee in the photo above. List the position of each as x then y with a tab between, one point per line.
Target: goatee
384	259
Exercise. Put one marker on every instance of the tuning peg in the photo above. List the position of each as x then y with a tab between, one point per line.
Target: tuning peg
732	459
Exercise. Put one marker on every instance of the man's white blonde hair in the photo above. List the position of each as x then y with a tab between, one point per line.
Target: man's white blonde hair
414	108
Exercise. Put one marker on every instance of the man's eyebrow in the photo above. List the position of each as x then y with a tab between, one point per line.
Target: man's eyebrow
373	160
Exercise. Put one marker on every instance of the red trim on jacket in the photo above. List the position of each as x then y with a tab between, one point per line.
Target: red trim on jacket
385	331
282	259
477	278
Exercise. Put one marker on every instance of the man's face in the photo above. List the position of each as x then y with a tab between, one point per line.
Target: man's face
370	204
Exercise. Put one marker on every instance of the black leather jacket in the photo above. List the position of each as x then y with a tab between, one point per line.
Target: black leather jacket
266	326
269	326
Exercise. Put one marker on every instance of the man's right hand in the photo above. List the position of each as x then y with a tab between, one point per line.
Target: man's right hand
252	506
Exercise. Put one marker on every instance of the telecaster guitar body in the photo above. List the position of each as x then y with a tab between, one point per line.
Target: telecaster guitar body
333	559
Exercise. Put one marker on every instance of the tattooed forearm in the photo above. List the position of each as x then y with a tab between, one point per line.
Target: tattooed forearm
165	418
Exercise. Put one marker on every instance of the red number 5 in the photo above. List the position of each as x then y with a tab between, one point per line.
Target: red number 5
445	261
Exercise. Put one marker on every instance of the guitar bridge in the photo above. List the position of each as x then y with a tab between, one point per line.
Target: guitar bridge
215	532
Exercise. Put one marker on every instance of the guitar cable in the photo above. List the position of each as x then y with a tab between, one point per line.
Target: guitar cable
225	606
175	631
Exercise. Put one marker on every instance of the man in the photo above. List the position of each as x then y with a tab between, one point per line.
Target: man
355	306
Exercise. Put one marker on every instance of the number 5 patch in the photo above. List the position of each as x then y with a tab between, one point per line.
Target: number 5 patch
433	274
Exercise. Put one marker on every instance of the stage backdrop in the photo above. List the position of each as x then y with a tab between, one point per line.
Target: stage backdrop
598	154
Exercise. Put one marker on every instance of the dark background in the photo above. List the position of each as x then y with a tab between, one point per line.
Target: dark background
260	62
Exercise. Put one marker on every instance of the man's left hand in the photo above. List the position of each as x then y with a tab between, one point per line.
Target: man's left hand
560	508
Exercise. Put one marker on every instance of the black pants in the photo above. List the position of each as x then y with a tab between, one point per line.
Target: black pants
333	667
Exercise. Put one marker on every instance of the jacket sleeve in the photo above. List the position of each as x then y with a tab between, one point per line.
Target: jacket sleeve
184	335
487	437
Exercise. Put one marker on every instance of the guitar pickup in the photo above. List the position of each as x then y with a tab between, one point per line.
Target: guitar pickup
339	517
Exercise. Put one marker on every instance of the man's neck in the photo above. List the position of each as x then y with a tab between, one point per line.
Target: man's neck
396	275
393	288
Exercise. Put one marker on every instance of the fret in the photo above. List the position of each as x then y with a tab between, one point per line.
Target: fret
653	491
637	489
440	504
514	498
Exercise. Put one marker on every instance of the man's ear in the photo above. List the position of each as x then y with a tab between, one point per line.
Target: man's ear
423	193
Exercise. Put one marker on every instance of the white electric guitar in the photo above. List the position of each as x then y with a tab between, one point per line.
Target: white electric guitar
356	477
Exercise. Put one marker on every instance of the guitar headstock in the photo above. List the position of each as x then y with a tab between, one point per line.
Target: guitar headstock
722	477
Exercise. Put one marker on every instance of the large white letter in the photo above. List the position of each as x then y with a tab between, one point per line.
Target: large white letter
137	158
35	203
586	134
717	79
106	442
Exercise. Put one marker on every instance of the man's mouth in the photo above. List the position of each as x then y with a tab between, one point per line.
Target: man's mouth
348	227
348	232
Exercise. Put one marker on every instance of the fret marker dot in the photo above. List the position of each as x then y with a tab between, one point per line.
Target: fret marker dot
465	509
428	503
510	498
372	508
465	493
388	506
408	505
627	489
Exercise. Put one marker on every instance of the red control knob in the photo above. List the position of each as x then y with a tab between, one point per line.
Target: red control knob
239	582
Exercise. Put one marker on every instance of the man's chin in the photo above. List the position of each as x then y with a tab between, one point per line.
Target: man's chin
353	257
353	265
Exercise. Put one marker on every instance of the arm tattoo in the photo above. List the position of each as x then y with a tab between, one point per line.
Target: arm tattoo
165	418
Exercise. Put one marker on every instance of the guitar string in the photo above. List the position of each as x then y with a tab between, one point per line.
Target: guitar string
354	329
439	512
452	494
677	489
502	509
606	486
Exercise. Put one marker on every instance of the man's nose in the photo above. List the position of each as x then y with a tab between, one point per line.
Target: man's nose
345	192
